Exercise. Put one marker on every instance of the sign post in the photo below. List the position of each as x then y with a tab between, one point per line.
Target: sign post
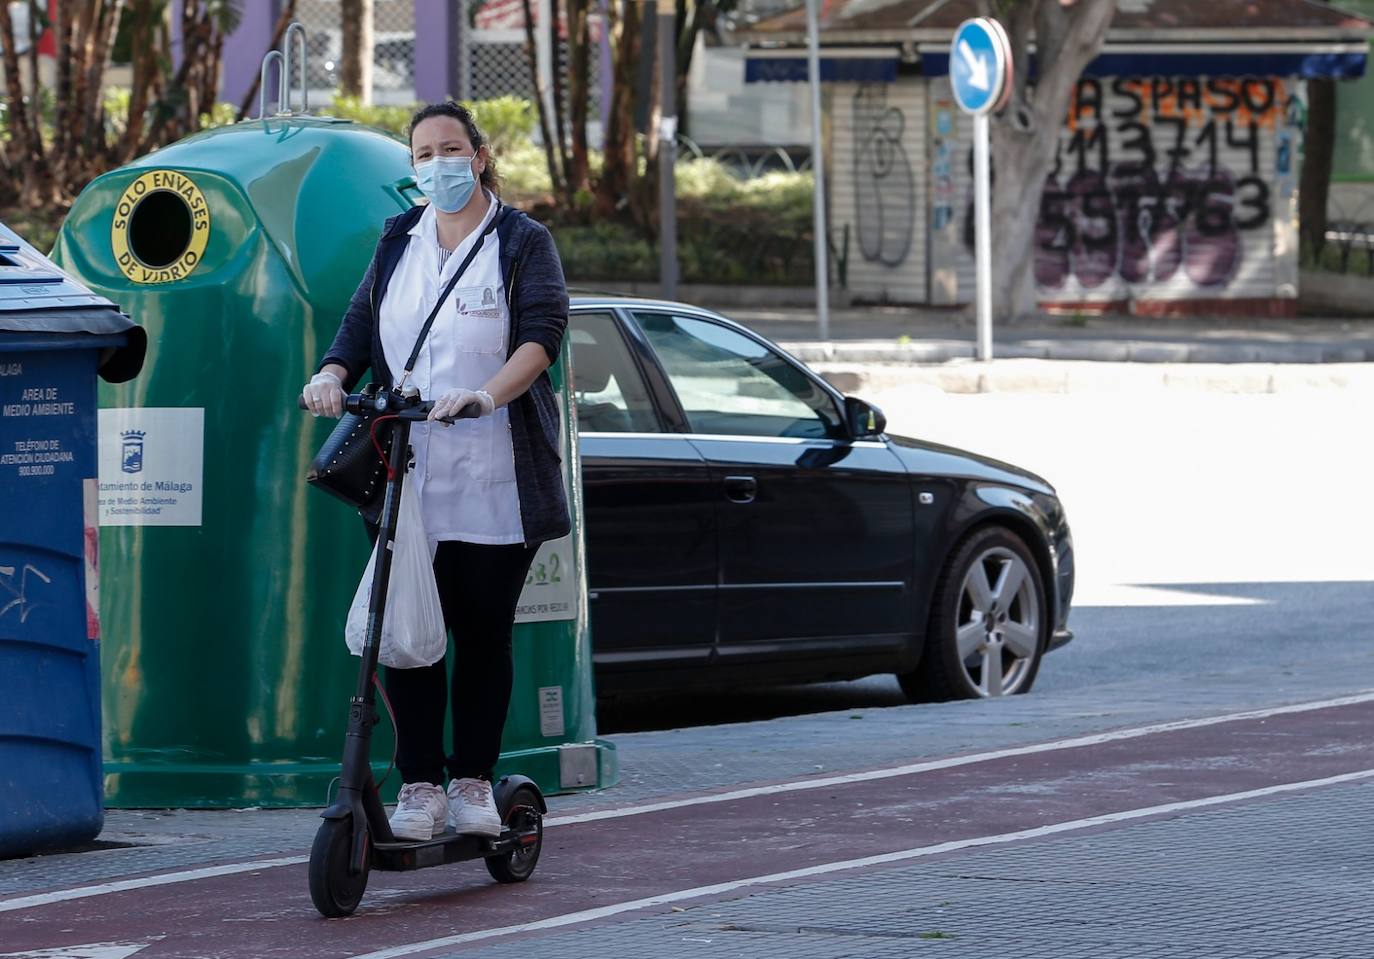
813	73
980	74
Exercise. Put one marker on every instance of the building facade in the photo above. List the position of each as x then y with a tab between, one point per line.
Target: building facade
1174	189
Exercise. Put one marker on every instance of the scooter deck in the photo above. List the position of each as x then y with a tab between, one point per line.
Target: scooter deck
444	848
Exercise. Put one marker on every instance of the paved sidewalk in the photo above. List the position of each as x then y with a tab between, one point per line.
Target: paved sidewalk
911	335
669	763
1274	879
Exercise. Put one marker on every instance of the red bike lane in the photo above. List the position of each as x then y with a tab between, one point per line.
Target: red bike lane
687	849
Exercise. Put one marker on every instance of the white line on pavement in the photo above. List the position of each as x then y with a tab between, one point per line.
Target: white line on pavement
143	882
1077	742
209	872
602	912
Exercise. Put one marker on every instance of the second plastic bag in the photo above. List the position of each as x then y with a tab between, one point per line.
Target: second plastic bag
413	632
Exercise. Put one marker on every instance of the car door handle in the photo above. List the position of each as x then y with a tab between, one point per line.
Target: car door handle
741	489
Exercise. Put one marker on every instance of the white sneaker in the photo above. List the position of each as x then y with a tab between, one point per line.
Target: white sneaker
471	808
421	809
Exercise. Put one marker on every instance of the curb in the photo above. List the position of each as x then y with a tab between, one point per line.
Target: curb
1052	376
1096	351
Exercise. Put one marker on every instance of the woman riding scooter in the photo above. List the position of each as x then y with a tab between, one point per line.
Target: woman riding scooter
491	487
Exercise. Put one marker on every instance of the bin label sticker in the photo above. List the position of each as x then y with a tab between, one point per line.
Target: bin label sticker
551	585
146	239
38	419
151	466
550	711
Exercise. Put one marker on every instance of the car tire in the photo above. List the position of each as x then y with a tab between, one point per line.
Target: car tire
981	642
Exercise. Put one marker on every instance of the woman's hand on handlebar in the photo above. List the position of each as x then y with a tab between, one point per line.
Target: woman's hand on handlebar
324	394
450	403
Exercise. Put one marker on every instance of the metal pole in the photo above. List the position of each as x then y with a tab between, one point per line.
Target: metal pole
813	71
667	147
543	53
463	87
982	230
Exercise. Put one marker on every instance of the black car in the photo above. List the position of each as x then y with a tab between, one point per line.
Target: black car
746	523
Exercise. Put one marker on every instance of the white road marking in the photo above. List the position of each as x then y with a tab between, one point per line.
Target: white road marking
143	882
602	912
1078	742
210	872
91	950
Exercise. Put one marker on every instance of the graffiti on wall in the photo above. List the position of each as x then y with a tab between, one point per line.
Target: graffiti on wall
884	182
1157	179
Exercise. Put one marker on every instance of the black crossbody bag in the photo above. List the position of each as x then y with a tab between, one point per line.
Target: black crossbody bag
347	465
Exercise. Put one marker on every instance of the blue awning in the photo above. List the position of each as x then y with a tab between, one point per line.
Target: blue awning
1337	65
834	69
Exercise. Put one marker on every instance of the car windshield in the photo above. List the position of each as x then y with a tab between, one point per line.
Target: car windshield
730	384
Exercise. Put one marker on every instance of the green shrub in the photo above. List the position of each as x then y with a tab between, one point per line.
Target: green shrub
507	121
524	171
730	231
394	120
605	251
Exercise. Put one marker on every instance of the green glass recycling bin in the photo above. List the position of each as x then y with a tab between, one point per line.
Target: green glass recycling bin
227	580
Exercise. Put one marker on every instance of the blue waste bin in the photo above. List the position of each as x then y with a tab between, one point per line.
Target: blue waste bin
56	336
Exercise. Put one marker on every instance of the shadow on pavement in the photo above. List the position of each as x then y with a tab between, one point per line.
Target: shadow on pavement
1155	634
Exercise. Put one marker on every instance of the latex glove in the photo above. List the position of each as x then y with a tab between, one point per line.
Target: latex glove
454	400
324	395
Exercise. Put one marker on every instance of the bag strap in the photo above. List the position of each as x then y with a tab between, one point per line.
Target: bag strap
457	275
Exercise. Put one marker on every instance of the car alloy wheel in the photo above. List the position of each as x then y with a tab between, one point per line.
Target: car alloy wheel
988	622
998	626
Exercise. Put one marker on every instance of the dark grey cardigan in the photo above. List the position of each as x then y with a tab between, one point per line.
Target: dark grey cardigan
537	298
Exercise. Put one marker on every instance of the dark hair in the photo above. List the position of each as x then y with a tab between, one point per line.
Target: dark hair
490	179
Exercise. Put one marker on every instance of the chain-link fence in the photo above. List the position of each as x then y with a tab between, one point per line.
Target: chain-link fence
393	48
497	62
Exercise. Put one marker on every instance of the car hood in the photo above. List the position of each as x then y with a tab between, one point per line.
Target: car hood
931	459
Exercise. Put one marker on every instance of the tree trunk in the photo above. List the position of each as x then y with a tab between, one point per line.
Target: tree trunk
619	169
691	19
579	83
61	128
144	68
545	131
1319	145
1025	138
560	125
35	34
25	126
355	60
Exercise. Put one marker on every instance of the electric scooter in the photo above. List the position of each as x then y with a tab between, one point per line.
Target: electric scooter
355	836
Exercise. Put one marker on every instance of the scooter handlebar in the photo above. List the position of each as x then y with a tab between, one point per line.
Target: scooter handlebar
358	402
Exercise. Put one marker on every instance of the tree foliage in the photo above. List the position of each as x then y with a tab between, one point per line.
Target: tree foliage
58	139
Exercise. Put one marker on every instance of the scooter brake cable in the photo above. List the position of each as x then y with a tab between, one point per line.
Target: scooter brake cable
395	731
386	461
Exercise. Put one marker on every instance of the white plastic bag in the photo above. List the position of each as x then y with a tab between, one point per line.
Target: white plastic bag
413	632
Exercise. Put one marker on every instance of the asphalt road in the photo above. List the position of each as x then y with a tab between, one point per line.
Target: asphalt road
1215	535
1181	782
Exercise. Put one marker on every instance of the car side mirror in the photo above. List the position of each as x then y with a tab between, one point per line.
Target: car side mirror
864	418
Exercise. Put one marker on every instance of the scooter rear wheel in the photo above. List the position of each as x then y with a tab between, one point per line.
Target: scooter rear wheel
334	888
522	815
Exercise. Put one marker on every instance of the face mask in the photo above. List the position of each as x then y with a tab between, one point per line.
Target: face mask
447	182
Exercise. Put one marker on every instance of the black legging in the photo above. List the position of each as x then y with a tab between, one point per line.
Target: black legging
479	587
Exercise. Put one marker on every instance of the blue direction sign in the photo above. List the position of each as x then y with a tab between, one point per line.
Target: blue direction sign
978	65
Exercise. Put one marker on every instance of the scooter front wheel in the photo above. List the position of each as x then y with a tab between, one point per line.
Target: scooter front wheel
334	888
521	816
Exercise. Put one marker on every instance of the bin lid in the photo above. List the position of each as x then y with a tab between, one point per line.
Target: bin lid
37	297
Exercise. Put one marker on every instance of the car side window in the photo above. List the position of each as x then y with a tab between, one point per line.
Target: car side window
609	391
730	384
